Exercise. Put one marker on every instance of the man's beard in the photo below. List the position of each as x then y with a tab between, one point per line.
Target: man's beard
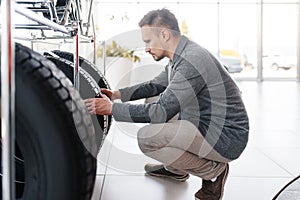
157	58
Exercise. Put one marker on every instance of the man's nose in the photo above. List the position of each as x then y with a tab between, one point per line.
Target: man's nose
147	49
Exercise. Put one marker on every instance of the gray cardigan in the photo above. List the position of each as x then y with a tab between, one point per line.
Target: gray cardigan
201	91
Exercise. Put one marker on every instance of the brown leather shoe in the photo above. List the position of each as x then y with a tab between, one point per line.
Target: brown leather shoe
213	190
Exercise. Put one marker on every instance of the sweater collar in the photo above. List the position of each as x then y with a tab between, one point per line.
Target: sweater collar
179	49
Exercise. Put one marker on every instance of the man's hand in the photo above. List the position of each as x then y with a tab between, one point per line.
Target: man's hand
113	95
99	106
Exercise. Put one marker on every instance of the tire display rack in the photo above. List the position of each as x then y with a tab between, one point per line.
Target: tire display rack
49	140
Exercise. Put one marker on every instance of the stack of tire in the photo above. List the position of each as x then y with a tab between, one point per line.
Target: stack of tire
57	140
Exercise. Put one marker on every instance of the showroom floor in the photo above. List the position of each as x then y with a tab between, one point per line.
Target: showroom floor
270	160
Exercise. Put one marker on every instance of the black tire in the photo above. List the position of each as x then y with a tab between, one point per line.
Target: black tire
87	66
61	2
59	11
54	133
88	89
91	69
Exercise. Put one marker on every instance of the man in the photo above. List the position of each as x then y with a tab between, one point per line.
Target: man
212	125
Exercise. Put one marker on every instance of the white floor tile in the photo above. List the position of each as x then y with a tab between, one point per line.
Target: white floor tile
288	158
152	188
244	188
254	163
274	138
148	188
124	161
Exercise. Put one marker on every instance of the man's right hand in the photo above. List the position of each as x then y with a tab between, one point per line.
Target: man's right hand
113	95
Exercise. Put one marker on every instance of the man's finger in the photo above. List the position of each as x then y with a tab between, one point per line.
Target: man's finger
104	96
90	100
104	91
90	104
91	109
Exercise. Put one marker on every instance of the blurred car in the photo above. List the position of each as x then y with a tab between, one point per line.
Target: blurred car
231	63
276	61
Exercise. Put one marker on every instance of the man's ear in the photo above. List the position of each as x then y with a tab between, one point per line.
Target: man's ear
165	33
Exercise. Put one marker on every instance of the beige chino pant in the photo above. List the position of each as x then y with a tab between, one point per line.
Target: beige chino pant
181	147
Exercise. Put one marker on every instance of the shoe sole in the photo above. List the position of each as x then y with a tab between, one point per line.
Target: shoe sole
183	179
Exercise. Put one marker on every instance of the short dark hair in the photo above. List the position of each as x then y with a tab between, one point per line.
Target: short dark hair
161	18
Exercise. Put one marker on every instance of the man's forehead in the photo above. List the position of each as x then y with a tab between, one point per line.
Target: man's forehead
148	29
146	32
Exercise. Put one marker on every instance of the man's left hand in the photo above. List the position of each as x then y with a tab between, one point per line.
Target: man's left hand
99	106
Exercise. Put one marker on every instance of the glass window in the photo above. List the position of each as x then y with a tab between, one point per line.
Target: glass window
239	1
116	18
238	39
228	28
113	19
175	1
199	23
280	1
279	40
144	8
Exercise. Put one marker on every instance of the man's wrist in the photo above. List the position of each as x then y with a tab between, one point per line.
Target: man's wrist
116	95
110	109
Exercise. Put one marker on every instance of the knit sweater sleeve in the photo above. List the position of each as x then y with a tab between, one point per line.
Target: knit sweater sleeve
146	89
183	87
